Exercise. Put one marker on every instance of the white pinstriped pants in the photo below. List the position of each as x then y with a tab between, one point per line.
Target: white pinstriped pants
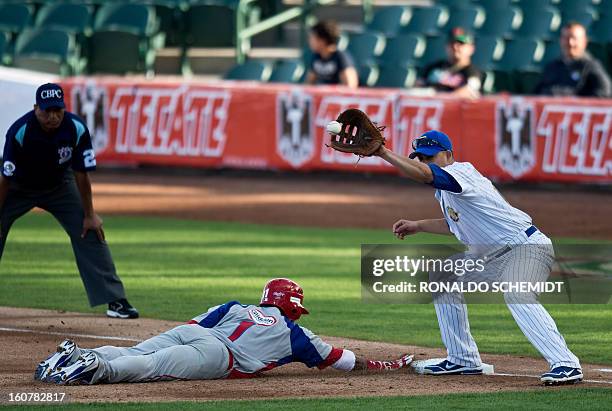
532	262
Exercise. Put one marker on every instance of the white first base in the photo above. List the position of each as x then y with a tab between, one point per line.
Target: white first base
420	364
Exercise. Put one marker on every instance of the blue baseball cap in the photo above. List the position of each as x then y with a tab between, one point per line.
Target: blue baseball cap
50	95
431	143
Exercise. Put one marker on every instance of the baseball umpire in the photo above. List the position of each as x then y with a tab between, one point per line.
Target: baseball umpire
231	340
47	157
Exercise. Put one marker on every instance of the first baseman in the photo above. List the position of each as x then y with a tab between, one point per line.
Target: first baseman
476	213
47	157
228	341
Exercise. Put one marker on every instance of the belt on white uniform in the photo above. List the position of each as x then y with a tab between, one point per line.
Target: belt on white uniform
498	253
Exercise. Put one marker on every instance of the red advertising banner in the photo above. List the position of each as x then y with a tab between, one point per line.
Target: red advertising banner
265	126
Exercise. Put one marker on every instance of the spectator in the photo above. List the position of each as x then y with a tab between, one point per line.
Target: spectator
329	65
455	75
575	72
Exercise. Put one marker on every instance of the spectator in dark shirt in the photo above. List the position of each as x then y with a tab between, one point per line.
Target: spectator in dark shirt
575	72
329	65
456	75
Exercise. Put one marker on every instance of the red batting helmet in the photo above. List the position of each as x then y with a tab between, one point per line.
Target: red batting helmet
286	295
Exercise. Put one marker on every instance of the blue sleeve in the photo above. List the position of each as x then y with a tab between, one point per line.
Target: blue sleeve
345	60
442	180
303	350
217	315
84	157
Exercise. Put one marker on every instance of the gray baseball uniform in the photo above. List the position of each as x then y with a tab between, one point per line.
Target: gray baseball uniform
229	341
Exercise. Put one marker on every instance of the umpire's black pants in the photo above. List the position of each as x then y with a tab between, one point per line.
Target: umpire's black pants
93	257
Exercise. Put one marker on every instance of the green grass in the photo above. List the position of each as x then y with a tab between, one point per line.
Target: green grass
570	398
176	269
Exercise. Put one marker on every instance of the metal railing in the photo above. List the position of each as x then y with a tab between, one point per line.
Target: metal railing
244	32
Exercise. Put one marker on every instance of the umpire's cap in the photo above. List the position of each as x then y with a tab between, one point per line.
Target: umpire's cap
50	95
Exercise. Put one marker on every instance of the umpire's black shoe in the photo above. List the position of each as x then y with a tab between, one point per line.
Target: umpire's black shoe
121	309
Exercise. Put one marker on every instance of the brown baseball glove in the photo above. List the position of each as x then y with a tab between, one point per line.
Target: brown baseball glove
358	134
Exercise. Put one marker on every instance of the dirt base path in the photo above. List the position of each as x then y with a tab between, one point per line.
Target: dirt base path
28	335
375	202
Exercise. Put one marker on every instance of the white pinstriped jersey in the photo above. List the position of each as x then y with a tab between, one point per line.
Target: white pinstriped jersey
479	215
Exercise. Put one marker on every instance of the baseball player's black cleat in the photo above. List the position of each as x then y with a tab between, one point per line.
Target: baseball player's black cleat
121	309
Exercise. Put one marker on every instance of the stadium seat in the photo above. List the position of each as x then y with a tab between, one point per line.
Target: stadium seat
540	23
535	4
364	47
287	71
501	22
488	82
573	5
251	70
468	17
119	52
4	45
488	50
585	16
435	50
48	50
396	77
133	18
493	4
601	30
427	20
368	74
552	51
521	54
213	24
14	17
70	17
389	20
403	50
455	3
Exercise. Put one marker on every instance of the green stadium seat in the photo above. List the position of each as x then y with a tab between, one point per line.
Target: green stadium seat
389	20
540	23
15	17
468	17
521	54
213	24
4	47
427	20
552	51
251	70
364	47
526	80
403	50
396	77
493	4
488	50
48	50
368	74
585	16
536	4
70	17
573	5
435	50
501	22
287	71
488	82
601	30
119	52
133	18
455	3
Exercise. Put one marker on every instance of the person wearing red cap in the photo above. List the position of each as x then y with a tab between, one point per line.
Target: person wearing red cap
231	340
456	74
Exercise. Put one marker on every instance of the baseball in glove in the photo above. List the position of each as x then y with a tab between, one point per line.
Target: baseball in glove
357	134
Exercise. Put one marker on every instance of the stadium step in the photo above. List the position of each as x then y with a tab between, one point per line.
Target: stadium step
217	61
